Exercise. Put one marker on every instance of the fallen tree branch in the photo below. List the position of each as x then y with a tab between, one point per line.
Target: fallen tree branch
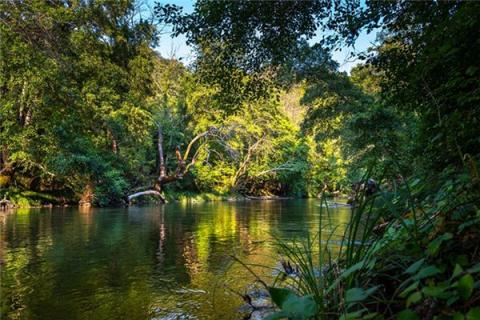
148	192
182	168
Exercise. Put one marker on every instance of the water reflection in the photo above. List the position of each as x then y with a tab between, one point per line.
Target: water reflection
143	263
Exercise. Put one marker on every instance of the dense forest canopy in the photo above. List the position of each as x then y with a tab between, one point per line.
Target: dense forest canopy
85	99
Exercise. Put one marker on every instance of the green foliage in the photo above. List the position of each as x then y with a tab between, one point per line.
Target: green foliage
111	187
92	92
259	155
249	33
292	306
74	81
428	61
415	266
82	93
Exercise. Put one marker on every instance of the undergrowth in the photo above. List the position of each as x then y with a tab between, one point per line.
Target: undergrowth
411	251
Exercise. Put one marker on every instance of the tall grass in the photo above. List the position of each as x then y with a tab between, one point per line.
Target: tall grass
403	254
326	271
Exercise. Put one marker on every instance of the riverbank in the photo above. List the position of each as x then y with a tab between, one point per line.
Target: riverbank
31	199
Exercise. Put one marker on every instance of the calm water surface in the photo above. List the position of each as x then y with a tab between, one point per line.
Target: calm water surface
145	263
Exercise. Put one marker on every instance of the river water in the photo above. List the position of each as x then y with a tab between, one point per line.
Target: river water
167	262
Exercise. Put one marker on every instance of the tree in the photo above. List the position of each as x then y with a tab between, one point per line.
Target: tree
74	77
241	44
429	60
251	33
182	165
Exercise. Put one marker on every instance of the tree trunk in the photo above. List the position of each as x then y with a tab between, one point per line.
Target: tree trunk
114	143
161	159
3	157
182	167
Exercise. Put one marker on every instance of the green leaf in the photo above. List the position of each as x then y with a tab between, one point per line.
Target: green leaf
277	316
415	266
357	266
457	270
471	70
474	314
462	260
407	314
352	315
458	316
354	268
414	298
300	307
426	272
358	294
291	305
280	295
409	289
436	292
452	300
434	246
474	269
465	286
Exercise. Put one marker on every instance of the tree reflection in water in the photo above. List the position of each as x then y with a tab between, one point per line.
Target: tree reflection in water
140	263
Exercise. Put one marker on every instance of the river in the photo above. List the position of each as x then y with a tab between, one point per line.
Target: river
166	262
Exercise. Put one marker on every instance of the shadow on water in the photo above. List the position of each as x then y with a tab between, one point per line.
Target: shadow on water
144	263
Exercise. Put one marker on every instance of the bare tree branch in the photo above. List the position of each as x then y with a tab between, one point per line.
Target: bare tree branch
243	166
182	168
210	131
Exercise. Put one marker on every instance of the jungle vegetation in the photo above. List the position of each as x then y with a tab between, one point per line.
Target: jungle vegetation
90	113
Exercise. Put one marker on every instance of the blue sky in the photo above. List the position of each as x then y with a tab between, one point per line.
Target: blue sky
177	47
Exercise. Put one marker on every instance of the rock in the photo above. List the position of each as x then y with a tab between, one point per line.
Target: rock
260	305
261	314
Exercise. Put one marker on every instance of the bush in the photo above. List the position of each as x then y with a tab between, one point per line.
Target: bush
412	252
